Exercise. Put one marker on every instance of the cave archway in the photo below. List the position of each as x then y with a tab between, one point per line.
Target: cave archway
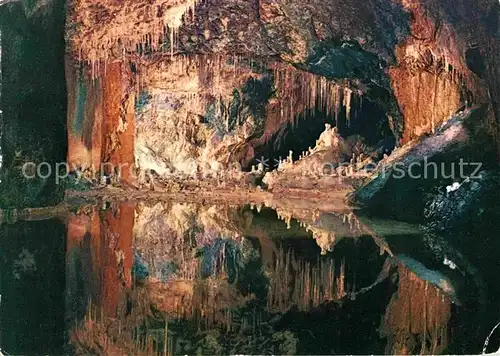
368	121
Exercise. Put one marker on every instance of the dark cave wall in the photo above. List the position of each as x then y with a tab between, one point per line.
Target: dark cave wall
404	185
32	285
33	102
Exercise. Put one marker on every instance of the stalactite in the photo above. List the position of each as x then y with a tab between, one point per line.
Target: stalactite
347	102
98	44
301	92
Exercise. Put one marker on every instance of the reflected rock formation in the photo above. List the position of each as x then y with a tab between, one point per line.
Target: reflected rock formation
417	317
164	277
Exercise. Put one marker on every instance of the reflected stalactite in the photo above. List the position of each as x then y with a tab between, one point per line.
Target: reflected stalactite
207	302
300	283
329	229
102	335
197	263
192	256
417	317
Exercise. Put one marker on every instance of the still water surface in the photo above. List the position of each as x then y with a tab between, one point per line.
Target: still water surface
182	278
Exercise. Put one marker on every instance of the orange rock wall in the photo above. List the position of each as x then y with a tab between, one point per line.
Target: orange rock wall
425	99
101	120
431	80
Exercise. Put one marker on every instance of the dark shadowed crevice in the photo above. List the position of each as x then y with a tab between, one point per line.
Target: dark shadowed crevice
475	61
368	125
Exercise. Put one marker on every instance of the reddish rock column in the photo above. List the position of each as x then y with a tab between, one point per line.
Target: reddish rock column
118	116
101	120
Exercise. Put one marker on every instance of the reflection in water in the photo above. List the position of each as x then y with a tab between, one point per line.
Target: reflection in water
206	274
297	283
32	287
99	259
177	278
417	317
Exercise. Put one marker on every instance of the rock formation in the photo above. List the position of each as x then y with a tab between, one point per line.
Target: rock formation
214	81
191	88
